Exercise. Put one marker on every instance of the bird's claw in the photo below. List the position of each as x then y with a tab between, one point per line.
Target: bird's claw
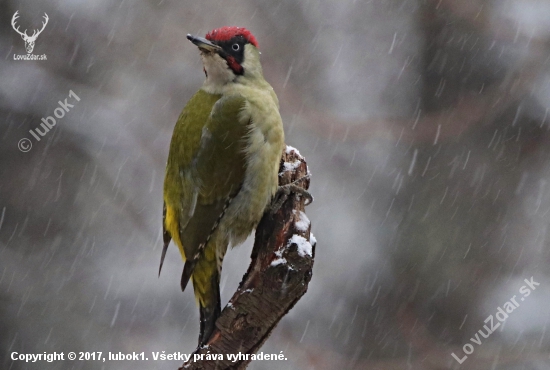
284	191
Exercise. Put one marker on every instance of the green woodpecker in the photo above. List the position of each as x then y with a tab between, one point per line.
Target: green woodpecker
223	163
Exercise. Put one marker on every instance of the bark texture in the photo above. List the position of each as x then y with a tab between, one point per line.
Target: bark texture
278	276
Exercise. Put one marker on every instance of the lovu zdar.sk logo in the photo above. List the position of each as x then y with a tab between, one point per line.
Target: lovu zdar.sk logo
29	39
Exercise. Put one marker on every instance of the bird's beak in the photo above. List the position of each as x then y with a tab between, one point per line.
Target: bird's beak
204	44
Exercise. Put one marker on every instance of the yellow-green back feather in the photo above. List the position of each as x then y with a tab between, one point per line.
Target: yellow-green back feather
206	166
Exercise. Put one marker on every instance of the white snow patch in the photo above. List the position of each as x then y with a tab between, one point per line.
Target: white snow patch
304	247
278	261
292	166
291	148
303	223
312	238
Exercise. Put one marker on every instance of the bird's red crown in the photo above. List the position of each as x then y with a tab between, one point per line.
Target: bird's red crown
227	33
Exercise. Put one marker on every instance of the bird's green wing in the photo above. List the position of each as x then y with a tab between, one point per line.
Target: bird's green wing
214	175
179	187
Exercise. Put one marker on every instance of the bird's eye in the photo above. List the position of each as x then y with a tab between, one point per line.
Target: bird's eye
235	47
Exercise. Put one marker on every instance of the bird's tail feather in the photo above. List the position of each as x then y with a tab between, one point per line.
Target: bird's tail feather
188	269
210	310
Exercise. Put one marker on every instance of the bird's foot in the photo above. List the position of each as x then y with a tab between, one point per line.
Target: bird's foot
284	191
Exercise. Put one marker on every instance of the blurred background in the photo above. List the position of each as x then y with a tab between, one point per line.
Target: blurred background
425	124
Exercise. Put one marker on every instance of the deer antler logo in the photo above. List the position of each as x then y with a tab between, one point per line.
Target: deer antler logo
29	40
